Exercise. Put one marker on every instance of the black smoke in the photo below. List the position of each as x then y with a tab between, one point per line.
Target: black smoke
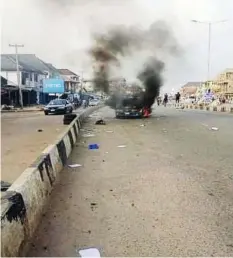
121	41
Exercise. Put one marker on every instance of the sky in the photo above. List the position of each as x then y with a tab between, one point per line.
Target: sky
60	32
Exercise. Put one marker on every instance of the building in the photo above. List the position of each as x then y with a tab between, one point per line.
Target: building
32	72
71	79
224	83
190	89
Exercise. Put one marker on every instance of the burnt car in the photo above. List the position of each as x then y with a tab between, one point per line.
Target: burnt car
58	106
128	111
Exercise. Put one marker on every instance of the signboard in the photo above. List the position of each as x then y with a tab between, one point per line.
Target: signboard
53	86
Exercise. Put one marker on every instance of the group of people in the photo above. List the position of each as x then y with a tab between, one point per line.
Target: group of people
165	99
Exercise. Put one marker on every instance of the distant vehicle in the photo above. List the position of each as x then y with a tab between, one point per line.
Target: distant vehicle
58	106
94	102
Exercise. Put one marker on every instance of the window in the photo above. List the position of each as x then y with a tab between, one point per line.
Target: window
35	77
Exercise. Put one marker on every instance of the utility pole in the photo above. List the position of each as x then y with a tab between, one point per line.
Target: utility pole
16	46
209	39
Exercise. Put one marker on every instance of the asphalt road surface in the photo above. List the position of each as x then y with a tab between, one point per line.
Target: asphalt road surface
167	192
21	142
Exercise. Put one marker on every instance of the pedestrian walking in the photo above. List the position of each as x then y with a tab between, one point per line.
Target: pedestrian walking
165	100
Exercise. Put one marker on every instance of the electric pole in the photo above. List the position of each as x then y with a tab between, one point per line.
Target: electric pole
16	46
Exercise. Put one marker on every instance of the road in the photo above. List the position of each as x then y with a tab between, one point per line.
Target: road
22	143
168	192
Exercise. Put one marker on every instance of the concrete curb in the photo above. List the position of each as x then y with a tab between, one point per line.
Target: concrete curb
22	111
205	108
23	203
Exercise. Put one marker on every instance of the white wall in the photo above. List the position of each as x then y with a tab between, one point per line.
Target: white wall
11	76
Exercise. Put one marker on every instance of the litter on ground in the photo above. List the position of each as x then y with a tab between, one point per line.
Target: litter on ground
100	122
75	165
214	128
94	146
89	252
88	135
121	146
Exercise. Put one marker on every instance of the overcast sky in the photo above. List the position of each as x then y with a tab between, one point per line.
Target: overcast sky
59	32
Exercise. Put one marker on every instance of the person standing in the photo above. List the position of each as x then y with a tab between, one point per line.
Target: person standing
177	98
165	100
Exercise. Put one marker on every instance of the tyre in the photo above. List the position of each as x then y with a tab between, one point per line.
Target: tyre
46	113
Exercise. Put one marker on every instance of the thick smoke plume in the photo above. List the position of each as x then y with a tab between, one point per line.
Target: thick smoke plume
119	42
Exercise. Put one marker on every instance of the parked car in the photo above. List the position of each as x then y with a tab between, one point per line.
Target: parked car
58	106
94	102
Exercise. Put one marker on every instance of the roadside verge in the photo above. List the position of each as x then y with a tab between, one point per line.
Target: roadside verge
23	203
205	108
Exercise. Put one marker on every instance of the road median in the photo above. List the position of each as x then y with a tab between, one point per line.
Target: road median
24	201
203	107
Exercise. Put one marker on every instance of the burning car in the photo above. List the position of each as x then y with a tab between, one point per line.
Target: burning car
130	106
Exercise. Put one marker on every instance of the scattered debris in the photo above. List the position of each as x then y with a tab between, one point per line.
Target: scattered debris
109	131
94	146
103	160
75	165
39	130
132	204
211	194
93	203
214	128
88	135
164	130
205	125
121	146
106	152
100	122
90	252
142	125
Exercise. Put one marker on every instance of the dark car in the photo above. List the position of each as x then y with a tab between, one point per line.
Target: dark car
58	106
128	111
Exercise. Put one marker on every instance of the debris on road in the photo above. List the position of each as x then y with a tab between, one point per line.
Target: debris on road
94	146
109	131
164	130
214	128
142	125
100	122
39	130
75	165
90	252
121	146
88	135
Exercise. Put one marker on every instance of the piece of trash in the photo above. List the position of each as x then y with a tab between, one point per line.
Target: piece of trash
142	125
94	146
75	165
164	130
39	130
121	146
106	152
100	122
109	131
88	135
214	128
90	252
205	125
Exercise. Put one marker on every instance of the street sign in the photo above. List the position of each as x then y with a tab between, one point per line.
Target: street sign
53	86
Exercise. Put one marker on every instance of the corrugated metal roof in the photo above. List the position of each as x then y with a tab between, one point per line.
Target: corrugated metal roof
66	72
192	84
27	62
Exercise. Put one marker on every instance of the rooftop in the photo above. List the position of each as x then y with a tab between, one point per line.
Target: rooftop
66	72
192	84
